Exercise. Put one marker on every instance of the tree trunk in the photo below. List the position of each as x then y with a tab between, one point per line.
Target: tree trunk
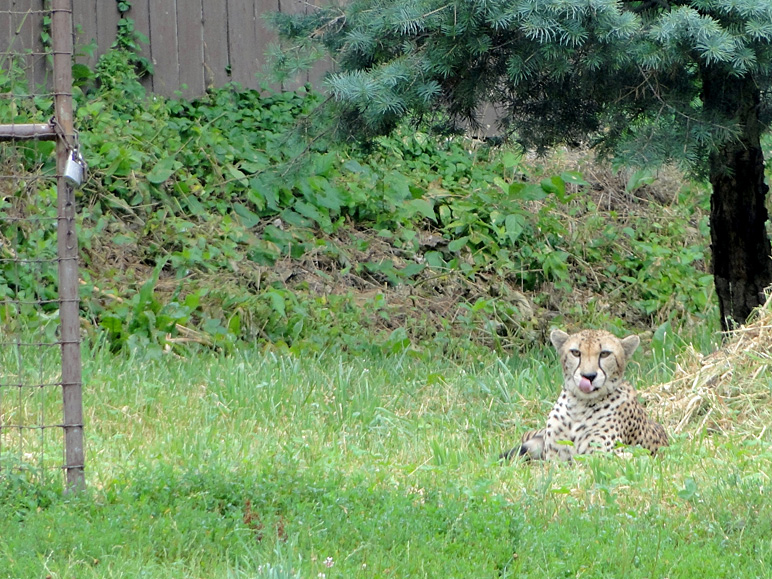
742	267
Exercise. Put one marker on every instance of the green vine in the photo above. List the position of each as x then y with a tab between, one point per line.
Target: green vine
129	40
45	33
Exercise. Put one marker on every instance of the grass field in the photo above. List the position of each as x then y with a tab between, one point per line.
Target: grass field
261	465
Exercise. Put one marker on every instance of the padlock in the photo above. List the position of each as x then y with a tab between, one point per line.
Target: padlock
75	169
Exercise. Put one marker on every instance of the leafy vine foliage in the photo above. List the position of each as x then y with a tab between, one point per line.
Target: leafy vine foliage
194	209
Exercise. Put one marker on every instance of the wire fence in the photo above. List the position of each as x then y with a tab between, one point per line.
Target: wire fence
41	417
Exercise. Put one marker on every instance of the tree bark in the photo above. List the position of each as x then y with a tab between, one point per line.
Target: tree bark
742	267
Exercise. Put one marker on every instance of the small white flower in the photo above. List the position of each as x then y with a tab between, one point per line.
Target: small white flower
329	562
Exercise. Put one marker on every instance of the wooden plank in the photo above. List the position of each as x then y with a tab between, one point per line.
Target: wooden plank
241	42
163	46
293	7
190	44
315	75
16	16
215	45
42	56
265	35
21	40
84	18
140	13
107	17
6	39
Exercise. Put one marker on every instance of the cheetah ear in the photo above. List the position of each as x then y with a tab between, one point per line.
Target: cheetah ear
629	345
558	338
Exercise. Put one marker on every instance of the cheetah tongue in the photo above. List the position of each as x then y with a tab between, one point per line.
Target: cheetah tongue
585	385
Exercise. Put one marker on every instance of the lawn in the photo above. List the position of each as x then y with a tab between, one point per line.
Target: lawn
259	465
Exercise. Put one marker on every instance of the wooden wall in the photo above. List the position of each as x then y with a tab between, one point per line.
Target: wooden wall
193	44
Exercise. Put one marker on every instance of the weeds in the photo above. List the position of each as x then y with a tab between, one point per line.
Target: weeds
217	220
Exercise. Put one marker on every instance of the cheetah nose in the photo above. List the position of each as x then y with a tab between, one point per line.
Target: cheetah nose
590	376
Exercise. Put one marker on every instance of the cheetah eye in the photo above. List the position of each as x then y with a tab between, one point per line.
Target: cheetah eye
605	354
575	353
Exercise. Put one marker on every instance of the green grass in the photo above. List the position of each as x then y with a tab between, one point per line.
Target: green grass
261	465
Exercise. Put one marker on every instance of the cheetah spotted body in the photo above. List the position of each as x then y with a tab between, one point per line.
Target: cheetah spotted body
597	408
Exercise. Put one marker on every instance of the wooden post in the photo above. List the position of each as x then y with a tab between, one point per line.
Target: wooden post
61	28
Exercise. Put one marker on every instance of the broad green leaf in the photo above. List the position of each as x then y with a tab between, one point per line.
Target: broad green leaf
238	175
277	303
527	192
111	323
554	185
458	244
422	206
234	324
412	269
574	178
195	206
434	259
329	197
510	160
192	300
162	170
312	212
248	218
317	182
689	491
639	179
503	185
514	226
121	239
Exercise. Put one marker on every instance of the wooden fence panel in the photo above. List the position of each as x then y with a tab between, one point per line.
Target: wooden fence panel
320	69
84	18
215	24
242	42
163	46
190	47
265	35
24	36
193	44
41	68
107	17
6	36
140	13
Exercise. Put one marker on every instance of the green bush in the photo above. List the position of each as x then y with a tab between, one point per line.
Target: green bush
193	208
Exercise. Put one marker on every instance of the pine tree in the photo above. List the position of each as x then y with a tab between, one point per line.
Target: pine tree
646	81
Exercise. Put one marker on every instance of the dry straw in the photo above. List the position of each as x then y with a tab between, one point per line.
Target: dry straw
727	391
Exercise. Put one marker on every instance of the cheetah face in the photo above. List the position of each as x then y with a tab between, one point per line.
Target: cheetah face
593	361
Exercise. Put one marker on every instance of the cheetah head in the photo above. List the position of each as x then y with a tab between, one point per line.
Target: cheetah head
593	361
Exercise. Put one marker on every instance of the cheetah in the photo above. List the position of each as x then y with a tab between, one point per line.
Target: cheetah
597	408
